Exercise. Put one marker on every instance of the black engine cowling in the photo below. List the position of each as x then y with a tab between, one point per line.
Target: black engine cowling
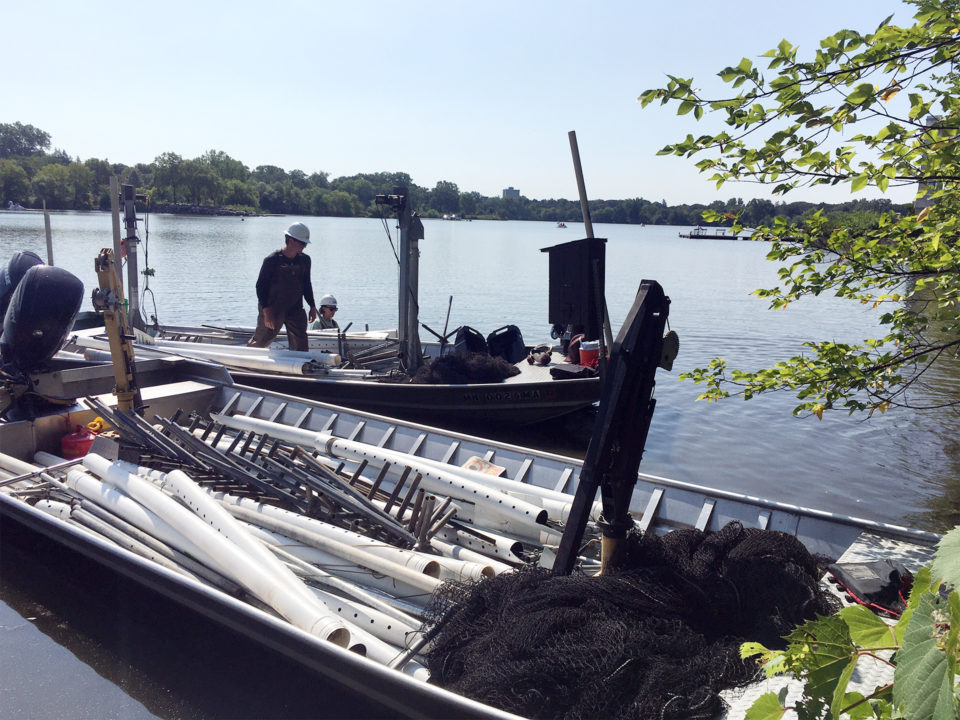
40	314
11	276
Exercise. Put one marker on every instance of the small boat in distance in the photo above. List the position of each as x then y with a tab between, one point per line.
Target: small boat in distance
561	224
712	233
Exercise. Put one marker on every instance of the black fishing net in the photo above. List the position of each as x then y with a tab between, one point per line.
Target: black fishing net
658	639
458	368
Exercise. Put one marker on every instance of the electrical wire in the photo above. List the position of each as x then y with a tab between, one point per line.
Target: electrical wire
386	228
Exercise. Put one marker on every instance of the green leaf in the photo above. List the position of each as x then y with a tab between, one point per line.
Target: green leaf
766	707
825	648
859	182
685	107
866	629
840	692
946	562
860	93
923	682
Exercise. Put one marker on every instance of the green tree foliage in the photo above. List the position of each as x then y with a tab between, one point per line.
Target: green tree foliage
225	167
19	139
168	176
878	109
921	650
201	184
53	185
14	182
445	197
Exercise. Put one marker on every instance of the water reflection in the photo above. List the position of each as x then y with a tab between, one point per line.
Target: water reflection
149	657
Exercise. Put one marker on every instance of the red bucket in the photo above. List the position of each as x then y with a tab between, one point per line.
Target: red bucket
76	444
590	353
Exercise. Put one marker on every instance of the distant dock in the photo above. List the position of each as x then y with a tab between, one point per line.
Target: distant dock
702	233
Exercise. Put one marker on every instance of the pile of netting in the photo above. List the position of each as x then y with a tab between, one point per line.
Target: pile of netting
658	639
458	368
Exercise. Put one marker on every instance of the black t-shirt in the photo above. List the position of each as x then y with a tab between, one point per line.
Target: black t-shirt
284	281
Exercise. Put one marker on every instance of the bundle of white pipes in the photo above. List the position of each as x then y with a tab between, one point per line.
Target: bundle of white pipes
493	503
436	566
295	362
222	544
489	558
394	629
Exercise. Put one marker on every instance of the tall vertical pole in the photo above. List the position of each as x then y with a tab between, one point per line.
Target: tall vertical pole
115	214
403	223
408	326
131	241
581	187
606	341
46	228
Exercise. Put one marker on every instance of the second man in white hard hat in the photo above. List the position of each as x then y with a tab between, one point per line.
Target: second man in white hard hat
282	286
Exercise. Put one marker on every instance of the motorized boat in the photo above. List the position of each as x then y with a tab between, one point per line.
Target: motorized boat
495	507
377	371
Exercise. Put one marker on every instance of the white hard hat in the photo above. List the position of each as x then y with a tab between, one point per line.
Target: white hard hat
299	231
328	299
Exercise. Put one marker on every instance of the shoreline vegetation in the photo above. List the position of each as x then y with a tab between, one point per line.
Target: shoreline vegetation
217	184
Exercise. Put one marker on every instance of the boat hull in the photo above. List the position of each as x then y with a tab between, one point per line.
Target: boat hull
374	682
500	403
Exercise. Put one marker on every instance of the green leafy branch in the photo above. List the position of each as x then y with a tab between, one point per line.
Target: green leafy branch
898	89
921	648
902	267
808	103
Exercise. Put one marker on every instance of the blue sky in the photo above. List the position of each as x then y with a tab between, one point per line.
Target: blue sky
479	93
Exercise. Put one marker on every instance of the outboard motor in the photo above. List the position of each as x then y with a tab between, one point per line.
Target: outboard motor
11	276
40	314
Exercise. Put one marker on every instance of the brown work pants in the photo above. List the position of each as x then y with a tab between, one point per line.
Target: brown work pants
295	321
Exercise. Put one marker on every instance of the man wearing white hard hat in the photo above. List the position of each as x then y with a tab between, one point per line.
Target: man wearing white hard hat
328	307
282	286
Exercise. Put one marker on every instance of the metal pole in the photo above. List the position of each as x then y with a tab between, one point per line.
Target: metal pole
581	188
403	328
46	227
131	241
588	225
408	327
115	214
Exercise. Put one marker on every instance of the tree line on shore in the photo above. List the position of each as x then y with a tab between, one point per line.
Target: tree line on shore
31	175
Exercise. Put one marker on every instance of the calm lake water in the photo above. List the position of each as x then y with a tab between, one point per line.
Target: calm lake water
901	467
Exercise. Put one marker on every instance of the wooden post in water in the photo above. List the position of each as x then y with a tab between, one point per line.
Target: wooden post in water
46	227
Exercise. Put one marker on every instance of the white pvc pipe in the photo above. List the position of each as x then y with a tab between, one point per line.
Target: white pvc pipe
225	556
339	549
211	512
344	568
503	548
322	357
407	558
17	467
381	626
459	553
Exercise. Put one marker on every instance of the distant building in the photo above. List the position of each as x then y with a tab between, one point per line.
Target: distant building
511	192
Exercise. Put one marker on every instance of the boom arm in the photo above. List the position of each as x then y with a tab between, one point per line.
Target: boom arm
109	299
